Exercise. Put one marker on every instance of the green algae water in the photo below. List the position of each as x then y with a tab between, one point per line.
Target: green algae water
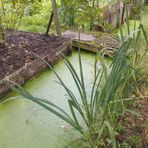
24	124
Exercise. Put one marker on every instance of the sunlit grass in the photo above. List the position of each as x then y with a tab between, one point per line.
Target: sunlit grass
33	28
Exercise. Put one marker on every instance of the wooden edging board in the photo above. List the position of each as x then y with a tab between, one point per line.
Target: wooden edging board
35	67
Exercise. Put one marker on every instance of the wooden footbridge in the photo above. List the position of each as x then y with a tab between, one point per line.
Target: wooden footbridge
106	43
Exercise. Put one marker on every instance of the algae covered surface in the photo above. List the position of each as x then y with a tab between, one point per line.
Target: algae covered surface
25	124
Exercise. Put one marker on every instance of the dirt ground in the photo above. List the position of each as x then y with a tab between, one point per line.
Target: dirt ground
18	47
135	127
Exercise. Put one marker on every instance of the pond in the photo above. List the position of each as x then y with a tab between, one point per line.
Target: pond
26	124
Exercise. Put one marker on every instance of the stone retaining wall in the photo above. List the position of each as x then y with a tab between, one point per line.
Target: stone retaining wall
35	67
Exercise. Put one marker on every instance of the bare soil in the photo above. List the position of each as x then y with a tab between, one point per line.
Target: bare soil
18	48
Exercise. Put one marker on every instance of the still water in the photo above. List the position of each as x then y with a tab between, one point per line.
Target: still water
24	124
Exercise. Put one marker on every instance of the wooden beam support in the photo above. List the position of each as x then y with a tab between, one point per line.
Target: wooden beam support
49	24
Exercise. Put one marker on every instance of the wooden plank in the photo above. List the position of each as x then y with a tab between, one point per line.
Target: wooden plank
33	68
50	22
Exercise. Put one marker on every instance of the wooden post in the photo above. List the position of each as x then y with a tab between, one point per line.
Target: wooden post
55	14
50	22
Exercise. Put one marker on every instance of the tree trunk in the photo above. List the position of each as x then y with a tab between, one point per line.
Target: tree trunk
92	19
55	14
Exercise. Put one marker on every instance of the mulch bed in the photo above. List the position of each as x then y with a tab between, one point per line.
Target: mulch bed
19	46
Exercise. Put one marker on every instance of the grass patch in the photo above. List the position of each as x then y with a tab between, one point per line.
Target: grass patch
33	28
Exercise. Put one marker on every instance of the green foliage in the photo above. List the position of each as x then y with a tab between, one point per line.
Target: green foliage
33	28
12	13
33	8
26	15
134	140
80	13
36	16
